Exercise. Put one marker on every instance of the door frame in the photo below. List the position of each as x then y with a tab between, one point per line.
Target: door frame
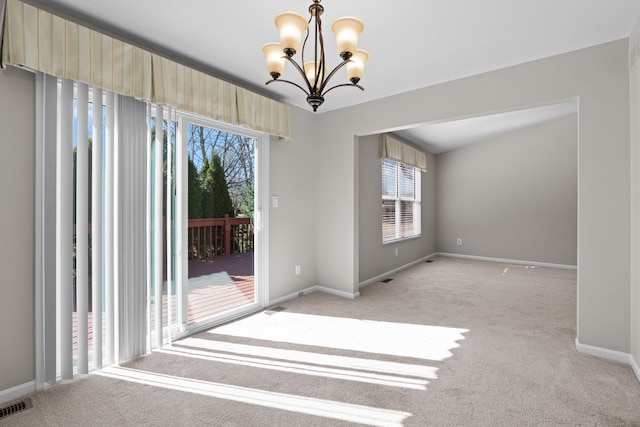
261	221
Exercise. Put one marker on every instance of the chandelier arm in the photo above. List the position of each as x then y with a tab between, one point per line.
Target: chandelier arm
304	44
325	81
343	85
301	71
319	62
290	82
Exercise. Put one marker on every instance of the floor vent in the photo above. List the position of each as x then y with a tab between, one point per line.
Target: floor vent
386	280
15	407
275	309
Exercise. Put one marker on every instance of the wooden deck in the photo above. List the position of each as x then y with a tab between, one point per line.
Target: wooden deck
219	284
215	285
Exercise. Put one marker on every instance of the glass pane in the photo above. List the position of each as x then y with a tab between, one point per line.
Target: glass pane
407	181
388	220
389	178
406	218
220	233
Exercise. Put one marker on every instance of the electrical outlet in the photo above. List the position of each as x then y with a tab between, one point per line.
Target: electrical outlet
396	251
459	242
298	270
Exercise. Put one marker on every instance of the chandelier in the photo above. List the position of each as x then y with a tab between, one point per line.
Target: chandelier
313	71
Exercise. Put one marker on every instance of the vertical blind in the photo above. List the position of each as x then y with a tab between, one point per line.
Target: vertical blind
64	227
96	225
99	231
131	225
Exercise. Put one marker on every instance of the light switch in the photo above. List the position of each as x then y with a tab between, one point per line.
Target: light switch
274	201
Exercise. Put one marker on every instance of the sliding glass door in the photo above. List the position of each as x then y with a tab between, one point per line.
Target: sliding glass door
219	222
206	236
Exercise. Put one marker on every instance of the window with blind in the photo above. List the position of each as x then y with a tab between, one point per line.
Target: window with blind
400	201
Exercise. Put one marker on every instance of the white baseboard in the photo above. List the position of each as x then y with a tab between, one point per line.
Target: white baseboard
311	289
635	367
396	270
510	261
291	296
17	392
616	356
336	292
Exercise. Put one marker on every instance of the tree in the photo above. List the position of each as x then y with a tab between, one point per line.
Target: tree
215	193
246	206
220	192
205	179
195	192
236	155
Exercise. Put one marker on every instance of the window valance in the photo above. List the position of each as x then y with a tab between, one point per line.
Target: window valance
191	90
395	149
39	40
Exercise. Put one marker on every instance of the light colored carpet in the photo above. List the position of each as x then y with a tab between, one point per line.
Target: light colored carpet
449	343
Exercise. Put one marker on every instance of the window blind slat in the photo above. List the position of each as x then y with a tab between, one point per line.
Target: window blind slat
109	230
96	228
158	226
64	217
82	227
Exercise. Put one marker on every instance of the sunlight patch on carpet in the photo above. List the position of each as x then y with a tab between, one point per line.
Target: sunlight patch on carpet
346	362
305	405
395	339
299	368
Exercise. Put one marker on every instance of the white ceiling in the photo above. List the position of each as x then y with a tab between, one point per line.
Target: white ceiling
439	137
413	43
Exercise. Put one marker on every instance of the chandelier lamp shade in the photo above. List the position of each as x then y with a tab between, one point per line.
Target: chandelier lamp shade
312	66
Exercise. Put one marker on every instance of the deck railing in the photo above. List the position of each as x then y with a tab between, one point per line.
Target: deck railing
208	237
211	237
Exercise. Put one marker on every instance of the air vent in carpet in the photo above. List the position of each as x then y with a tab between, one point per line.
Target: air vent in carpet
386	280
15	407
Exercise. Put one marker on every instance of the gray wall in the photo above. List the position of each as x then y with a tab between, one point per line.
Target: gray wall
513	197
292	171
599	78
375	258
17	247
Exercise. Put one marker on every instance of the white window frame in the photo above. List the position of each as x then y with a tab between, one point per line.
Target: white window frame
398	198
